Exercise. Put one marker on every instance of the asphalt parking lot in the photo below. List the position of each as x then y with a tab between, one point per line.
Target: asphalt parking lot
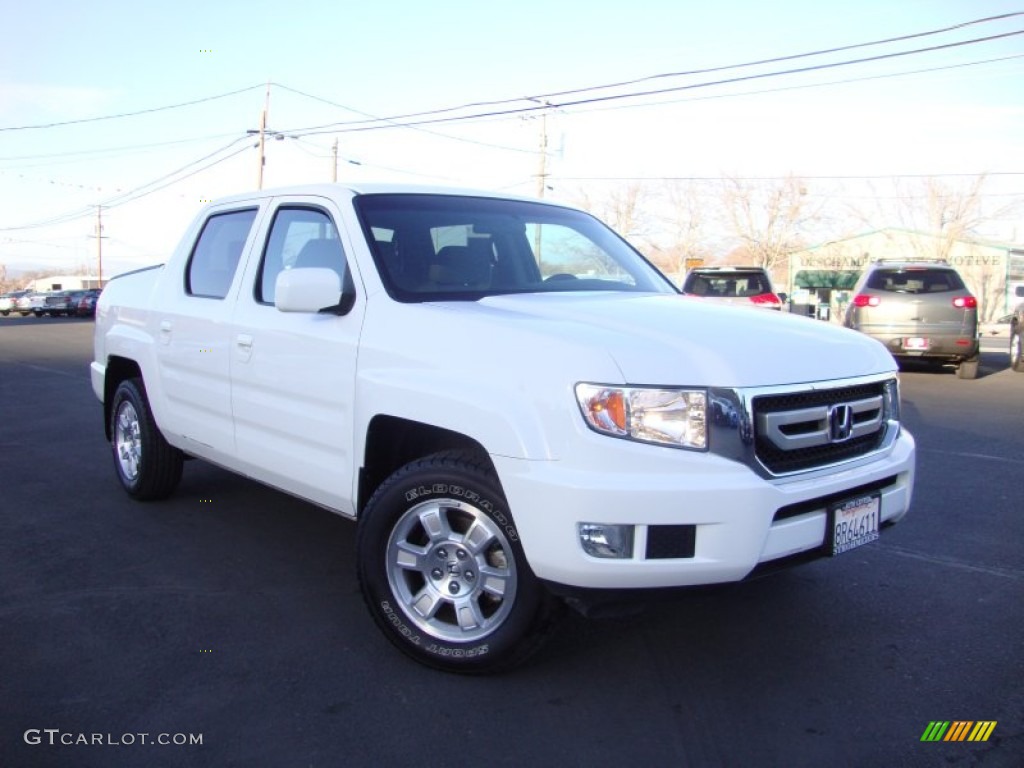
231	613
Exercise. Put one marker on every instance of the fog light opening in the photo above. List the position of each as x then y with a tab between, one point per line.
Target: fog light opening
606	541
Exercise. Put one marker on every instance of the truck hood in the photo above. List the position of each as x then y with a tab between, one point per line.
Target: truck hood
669	339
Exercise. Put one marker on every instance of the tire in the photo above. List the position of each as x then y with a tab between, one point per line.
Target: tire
425	537
968	369
1016	352
147	465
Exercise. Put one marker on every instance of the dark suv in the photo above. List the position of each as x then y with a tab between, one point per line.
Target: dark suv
919	310
742	286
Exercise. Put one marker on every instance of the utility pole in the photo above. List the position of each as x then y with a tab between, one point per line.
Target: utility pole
542	173
542	177
263	137
334	155
99	244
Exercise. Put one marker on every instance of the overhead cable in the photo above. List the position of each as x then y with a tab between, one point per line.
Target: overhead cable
543	101
130	114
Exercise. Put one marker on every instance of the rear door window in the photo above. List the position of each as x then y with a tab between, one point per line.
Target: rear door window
214	259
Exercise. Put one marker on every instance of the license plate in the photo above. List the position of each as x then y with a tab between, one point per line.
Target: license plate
915	342
854	523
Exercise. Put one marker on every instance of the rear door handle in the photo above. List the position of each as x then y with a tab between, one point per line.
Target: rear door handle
165	332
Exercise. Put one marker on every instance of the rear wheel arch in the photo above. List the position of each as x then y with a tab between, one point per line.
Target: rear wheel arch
146	465
118	369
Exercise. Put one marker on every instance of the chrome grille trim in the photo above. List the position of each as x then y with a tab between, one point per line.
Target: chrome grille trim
810	427
783	431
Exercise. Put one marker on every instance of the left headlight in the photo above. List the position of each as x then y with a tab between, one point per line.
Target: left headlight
673	417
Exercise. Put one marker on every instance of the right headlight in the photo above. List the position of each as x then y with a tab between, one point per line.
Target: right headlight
672	417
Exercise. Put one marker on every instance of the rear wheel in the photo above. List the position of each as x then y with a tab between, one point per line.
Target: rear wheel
146	464
442	570
968	369
1016	357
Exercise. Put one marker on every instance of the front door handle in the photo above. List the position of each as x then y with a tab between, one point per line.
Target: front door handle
244	343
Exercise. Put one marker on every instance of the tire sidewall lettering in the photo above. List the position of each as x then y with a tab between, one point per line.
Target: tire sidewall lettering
459	492
449	652
444	651
396	621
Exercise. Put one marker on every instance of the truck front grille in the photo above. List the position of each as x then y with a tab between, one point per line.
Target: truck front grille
800	431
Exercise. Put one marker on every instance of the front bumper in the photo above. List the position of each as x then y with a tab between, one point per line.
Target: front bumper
740	520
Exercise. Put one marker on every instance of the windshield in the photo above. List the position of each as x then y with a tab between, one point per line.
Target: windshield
442	247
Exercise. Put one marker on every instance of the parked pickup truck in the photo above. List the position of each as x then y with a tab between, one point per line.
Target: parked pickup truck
518	410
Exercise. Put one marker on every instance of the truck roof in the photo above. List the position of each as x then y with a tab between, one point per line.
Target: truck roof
371	187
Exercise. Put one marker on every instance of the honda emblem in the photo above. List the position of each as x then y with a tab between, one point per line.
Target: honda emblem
840	423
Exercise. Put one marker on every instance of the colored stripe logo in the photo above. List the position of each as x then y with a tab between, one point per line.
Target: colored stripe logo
958	730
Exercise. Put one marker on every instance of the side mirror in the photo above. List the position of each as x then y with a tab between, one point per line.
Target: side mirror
312	289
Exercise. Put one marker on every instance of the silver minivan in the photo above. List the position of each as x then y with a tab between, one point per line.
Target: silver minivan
918	310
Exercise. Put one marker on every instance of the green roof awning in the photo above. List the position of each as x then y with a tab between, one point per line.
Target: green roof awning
842	280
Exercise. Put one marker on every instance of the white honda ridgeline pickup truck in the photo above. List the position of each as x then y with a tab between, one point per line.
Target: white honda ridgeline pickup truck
518	410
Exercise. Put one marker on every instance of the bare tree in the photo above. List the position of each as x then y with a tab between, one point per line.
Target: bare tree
684	223
766	218
624	209
944	220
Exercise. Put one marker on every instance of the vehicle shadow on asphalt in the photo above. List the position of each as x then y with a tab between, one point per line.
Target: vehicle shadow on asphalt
992	362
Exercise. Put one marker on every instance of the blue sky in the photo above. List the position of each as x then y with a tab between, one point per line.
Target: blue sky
334	62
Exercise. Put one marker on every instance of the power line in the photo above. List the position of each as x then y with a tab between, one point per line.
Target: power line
132	194
182	178
353	126
129	114
141	191
795	176
105	150
826	84
779	59
375	118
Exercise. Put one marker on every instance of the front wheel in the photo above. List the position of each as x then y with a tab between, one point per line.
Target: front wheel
1016	358
146	464
443	572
